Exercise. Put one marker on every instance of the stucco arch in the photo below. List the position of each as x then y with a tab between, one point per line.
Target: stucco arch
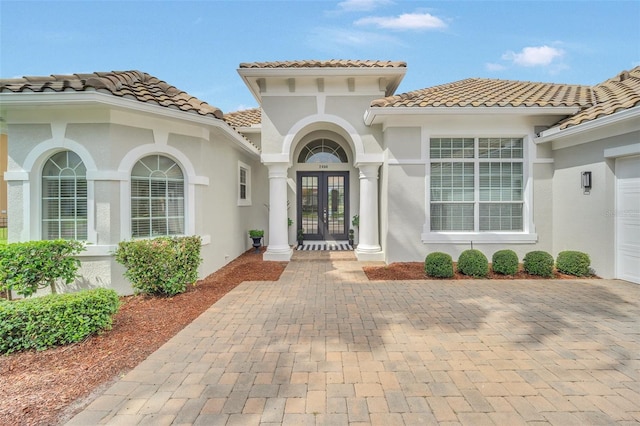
323	122
132	157
191	179
41	153
32	183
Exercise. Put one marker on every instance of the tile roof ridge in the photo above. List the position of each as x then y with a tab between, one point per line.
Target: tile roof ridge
326	63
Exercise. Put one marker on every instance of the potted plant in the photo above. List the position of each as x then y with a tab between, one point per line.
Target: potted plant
256	235
300	236
351	236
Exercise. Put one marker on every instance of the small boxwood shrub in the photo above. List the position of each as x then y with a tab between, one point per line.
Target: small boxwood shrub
438	265
56	319
505	262
161	266
473	263
538	263
573	263
29	266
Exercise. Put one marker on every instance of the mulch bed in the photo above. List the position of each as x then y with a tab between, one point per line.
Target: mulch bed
415	271
40	388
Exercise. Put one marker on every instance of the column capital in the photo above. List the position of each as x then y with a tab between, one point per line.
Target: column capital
368	170
278	170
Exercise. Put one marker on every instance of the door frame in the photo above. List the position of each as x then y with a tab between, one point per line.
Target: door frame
322	200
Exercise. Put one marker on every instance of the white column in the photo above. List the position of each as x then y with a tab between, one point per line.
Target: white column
278	248
369	240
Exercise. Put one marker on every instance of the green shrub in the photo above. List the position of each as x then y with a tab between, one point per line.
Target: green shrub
505	262
162	266
56	319
473	263
29	266
538	263
573	263
438	265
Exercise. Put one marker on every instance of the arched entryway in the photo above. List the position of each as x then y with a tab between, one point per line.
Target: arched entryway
322	195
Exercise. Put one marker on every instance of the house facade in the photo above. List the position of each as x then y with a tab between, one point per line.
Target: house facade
482	163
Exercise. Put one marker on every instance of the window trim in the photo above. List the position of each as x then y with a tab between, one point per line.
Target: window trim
246	201
526	236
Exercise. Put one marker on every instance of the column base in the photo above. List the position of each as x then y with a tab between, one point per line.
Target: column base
278	254
370	253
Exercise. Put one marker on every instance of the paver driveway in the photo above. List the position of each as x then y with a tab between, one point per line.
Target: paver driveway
325	346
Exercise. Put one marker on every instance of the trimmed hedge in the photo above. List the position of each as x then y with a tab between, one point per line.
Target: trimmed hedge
29	266
504	262
161	266
55	319
573	263
473	263
438	265
538	263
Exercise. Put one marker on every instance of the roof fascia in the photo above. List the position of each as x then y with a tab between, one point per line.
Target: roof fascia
249	75
555	133
377	114
32	99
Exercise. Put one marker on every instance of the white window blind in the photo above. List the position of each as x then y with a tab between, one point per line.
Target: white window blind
476	184
157	198
64	197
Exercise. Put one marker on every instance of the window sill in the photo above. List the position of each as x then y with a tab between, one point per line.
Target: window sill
479	237
244	203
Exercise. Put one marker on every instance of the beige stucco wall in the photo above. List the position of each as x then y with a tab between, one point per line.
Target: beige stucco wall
585	221
404	203
108	141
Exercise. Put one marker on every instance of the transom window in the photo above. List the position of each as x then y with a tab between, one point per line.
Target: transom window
322	151
64	197
476	184
157	198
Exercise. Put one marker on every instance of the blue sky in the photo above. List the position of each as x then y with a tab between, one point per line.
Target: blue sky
198	45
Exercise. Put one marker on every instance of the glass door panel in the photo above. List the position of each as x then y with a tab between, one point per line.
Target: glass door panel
322	205
309	205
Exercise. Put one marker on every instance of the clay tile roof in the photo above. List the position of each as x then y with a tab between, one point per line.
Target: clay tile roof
126	84
245	118
482	92
616	94
332	63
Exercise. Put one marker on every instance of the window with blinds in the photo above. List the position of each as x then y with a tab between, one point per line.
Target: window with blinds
477	184
157	198
244	184
64	197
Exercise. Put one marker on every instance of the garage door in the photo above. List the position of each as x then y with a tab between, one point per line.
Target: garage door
628	218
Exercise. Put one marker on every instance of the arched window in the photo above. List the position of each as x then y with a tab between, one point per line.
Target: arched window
157	197
322	151
64	197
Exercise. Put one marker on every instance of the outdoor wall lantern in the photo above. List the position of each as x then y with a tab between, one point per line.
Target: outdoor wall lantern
586	181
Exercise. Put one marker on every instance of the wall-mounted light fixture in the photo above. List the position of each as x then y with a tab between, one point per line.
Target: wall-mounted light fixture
586	181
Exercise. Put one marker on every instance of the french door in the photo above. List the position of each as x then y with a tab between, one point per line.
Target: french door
323	205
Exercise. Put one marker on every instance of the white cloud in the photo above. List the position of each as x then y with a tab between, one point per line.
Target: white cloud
362	5
334	40
494	67
534	56
406	21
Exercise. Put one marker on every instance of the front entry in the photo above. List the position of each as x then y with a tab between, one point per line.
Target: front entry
323	205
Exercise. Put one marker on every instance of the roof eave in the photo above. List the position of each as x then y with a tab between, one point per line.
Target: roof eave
250	75
31	99
555	133
373	115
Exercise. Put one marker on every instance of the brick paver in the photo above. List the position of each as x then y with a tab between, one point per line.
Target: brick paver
325	346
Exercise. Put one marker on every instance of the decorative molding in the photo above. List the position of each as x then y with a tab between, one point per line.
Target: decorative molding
622	151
